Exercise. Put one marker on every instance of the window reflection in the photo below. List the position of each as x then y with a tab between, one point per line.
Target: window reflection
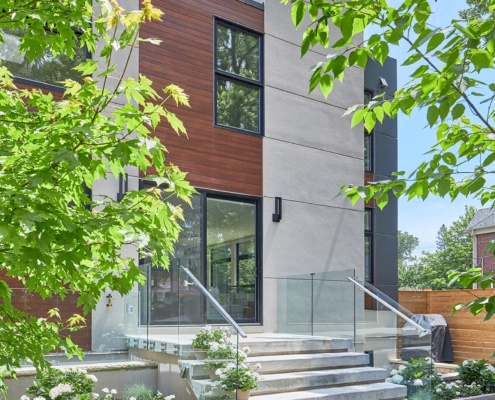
238	52
237	105
231	266
47	69
231	271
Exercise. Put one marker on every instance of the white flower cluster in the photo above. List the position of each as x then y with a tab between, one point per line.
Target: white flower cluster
397	379
24	397
490	368
60	389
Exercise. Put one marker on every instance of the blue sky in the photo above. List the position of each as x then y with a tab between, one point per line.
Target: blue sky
423	218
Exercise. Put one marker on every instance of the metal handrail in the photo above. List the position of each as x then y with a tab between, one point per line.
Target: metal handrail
416	325
215	303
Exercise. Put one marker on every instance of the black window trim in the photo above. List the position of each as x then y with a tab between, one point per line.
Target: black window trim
371	139
259	84
257	201
203	200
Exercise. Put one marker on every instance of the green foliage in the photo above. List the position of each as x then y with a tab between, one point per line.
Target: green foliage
418	375
54	239
454	252
469	278
407	244
448	62
456	390
478	372
139	391
477	9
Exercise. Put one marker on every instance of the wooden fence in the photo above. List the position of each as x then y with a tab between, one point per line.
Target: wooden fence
472	337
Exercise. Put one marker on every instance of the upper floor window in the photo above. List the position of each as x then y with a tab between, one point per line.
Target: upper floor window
238	78
368	244
368	140
48	70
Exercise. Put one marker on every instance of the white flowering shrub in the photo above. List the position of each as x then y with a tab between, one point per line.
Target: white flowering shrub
418	375
455	390
479	372
207	335
239	377
62	384
220	354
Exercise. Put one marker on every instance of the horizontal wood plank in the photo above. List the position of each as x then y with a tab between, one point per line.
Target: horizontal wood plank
472	337
214	157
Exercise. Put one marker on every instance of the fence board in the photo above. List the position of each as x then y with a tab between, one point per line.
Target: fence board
472	337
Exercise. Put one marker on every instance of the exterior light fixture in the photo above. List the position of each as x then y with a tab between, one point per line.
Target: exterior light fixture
277	216
383	82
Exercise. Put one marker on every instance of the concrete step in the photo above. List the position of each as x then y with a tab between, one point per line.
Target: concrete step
277	364
274	383
373	391
303	362
293	344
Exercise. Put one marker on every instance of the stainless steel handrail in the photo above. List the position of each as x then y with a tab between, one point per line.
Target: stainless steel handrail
215	303
416	325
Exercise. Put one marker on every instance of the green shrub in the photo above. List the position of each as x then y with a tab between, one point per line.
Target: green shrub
479	372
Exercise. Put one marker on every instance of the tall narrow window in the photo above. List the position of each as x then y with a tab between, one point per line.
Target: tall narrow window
238	78
368	140
368	244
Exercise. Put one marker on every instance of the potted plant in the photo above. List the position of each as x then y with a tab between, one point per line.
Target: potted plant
241	379
220	354
205	337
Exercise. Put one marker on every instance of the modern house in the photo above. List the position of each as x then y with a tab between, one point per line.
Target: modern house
267	159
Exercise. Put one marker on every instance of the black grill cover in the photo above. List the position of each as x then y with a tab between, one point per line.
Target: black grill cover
414	346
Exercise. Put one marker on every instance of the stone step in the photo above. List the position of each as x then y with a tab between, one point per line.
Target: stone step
274	383
373	391
293	344
303	362
291	363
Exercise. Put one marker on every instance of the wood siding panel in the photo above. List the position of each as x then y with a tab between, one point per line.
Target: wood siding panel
215	158
35	306
472	337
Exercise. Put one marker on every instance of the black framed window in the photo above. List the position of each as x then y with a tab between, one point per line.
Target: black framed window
47	71
368	244
238	78
220	244
368	140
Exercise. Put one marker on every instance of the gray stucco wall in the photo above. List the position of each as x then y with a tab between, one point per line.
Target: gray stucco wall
108	323
309	152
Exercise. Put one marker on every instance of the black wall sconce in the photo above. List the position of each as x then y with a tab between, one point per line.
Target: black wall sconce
123	186
277	217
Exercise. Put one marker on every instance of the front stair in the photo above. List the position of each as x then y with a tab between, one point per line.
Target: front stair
304	368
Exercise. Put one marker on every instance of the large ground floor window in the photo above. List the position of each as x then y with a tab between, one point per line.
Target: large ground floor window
219	245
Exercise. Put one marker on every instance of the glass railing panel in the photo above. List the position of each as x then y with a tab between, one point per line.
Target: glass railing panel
400	344
295	305
333	295
207	340
317	304
134	336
